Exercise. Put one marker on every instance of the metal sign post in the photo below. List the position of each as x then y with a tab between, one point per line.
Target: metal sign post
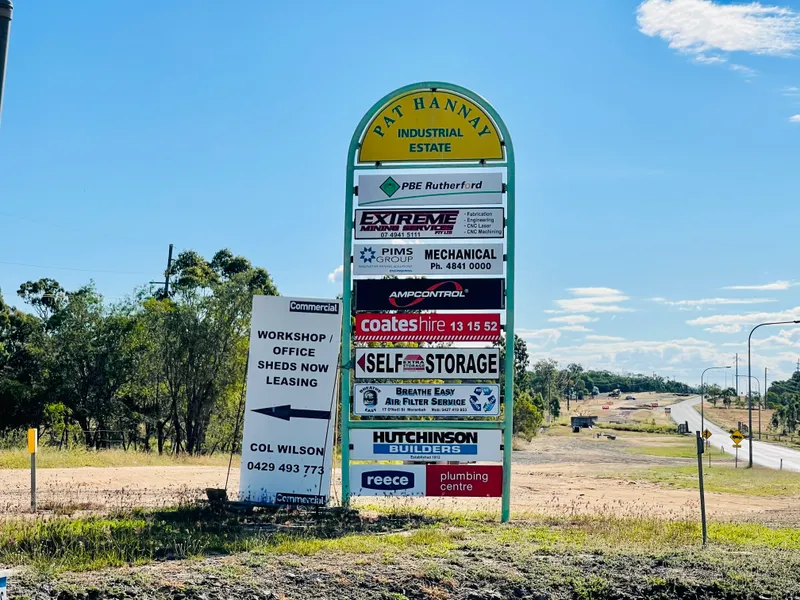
33	446
466	150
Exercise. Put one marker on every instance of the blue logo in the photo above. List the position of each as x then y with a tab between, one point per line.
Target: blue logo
367	255
387	480
482	399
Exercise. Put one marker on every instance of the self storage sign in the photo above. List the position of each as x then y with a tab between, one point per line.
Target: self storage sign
409	224
476	481
370	260
429	294
430	445
427	363
427	327
464	400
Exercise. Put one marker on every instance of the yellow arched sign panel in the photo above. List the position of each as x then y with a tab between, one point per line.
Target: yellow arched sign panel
427	126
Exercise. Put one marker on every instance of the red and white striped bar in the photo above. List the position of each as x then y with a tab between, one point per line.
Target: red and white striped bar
427	327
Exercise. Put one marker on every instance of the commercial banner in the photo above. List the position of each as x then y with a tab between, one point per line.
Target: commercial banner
427	363
374	260
476	481
429	294
288	425
427	327
428	125
438	189
425	399
430	445
450	224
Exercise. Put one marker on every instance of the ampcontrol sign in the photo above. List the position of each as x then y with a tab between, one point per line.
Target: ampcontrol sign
430	190
452	224
458	445
427	363
427	399
452	259
288	426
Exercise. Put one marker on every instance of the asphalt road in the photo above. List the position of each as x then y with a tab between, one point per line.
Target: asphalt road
764	454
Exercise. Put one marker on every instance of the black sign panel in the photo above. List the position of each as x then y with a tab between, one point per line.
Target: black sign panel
429	294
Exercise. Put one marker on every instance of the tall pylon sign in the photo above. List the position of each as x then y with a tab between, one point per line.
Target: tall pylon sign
428	267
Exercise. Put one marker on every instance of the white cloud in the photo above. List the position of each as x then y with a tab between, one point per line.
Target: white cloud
575	328
774	286
791	91
709	60
724	329
794	119
594	291
572	319
725	323
712	301
592	299
336	275
696	27
604	338
746	71
547	335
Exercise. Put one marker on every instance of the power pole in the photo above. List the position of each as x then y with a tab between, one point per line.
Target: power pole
6	9
766	387
167	273
737	376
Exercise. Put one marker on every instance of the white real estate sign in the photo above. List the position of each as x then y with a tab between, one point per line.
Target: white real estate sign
288	425
427	363
427	399
430	445
376	260
430	190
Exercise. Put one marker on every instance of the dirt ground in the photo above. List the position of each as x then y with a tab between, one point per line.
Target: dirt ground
557	474
622	411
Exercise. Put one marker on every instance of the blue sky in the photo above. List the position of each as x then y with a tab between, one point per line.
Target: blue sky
657	153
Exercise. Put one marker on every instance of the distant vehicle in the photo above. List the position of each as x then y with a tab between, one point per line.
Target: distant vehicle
605	407
629	398
654	405
614	394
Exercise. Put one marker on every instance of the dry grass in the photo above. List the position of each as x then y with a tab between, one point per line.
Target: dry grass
52	458
729	418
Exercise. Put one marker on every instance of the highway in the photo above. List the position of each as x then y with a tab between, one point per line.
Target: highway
764	454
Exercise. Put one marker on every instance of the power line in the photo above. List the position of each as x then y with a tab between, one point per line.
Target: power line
4	262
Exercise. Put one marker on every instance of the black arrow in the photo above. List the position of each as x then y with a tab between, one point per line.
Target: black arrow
286	412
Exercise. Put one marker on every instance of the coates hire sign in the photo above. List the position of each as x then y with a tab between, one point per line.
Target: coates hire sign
430	190
370	260
458	445
427	327
464	400
427	480
429	294
452	224
427	363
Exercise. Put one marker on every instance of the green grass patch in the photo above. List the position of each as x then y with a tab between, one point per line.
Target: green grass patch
724	478
640	427
51	458
678	449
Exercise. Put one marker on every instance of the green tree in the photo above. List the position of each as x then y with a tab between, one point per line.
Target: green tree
527	417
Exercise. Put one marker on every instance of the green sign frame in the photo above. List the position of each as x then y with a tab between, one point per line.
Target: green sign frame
505	424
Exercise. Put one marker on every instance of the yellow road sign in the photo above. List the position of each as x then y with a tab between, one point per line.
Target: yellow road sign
737	437
706	434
